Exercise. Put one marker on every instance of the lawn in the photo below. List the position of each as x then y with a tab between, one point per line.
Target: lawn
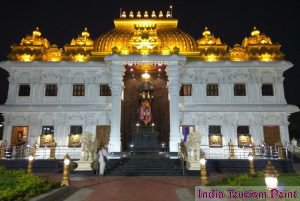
16	185
290	179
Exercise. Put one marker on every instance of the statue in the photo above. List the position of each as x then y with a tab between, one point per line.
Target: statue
145	112
89	146
193	145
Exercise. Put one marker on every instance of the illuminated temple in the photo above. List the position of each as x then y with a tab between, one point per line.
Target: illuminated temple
148	75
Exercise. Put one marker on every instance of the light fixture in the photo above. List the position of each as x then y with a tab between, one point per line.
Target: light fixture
271	175
29	166
203	173
66	179
251	163
146	75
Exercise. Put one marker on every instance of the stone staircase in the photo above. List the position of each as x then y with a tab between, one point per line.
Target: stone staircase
145	164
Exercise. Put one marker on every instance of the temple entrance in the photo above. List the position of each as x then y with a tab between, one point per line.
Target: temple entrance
271	135
145	108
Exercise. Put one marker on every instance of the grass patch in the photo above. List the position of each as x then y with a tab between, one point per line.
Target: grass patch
16	185
258	179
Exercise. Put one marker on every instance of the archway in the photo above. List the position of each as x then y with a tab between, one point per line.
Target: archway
155	92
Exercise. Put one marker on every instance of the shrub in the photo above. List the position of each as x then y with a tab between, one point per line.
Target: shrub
16	185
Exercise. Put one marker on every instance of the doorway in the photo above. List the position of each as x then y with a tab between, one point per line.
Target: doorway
131	117
19	135
271	135
102	135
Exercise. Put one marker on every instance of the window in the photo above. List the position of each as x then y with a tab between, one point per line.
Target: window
186	90
24	90
243	130
267	90
214	130
76	130
212	90
78	90
51	90
47	130
215	136
243	135
105	90
240	90
74	137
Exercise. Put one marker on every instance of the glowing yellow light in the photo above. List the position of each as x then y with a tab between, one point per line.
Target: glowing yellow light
79	58
266	57
211	58
131	14
146	75
144	50
165	51
125	51
26	58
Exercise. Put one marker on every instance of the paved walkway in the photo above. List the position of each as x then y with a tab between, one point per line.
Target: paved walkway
131	188
135	188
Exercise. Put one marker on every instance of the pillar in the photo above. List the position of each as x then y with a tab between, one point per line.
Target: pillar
174	85
117	72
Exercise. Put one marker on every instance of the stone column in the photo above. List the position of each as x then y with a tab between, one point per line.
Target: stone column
7	129
116	86
12	87
174	84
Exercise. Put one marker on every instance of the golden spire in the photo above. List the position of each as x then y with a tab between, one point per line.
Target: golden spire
161	15
131	14
211	48
146	14
153	15
206	32
138	15
255	31
36	32
168	15
85	33
123	14
259	46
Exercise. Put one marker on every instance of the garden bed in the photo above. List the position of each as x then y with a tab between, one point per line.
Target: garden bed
16	185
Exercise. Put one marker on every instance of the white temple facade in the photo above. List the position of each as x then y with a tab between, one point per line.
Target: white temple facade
224	99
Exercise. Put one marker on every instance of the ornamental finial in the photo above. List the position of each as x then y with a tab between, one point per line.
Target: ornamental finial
131	14
138	15
161	15
255	31
153	15
146	14
123	14
36	32
168	15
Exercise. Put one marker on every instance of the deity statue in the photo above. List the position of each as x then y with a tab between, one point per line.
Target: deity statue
145	99
145	112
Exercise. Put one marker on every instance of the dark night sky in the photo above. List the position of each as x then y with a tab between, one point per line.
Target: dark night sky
231	20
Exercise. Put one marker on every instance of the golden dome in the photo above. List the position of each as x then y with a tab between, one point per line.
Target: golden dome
260	47
140	34
32	47
35	39
211	48
83	40
80	48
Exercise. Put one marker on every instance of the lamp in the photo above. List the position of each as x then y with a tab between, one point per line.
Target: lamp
203	174
66	179
251	163
29	166
271	175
